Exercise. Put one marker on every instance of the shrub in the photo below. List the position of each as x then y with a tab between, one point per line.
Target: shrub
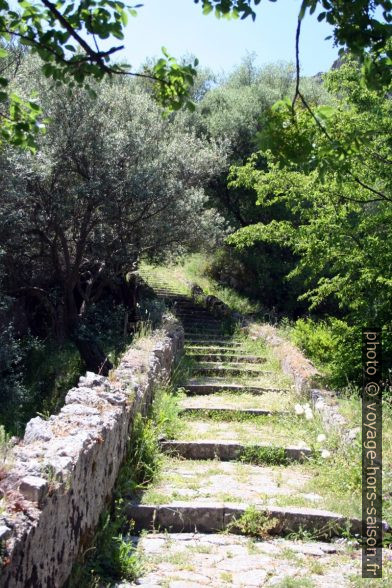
334	347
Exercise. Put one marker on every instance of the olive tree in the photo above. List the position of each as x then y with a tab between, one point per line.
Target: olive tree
112	179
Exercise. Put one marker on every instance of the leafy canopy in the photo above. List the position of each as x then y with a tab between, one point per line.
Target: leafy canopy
330	167
66	35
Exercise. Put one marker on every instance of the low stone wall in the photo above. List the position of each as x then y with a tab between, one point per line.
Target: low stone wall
291	359
213	304
304	374
64	470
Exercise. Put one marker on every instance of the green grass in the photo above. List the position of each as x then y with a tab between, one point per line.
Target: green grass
264	456
192	269
110	559
5	451
295	583
253	523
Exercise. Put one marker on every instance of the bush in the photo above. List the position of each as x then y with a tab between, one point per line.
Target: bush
12	390
333	346
50	370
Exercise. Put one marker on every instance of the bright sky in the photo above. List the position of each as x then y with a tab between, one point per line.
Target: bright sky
181	27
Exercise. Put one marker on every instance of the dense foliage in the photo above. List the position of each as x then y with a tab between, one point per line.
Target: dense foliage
111	180
330	168
237	109
67	35
303	185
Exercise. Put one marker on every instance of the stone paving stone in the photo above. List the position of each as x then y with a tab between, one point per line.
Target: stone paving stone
269	430
230	450
272	401
205	481
195	559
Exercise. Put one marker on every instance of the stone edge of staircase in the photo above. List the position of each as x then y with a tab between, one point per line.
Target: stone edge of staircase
217	516
82	448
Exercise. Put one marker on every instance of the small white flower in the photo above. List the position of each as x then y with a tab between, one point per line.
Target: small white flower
325	454
299	409
321	438
308	414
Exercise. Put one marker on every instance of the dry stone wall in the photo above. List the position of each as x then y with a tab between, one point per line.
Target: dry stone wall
64	470
305	376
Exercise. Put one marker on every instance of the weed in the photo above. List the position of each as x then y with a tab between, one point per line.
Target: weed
165	412
5	452
253	522
143	329
144	458
111	558
289	554
200	548
49	472
264	455
251	546
315	567
295	583
329	530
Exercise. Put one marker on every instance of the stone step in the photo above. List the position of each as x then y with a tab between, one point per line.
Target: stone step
190	306
194	312
222	560
229	451
211	346
198	327
215	368
216	333
201	324
207	339
206	481
199	317
267	430
227	356
186	517
216	409
274	402
198	387
173	295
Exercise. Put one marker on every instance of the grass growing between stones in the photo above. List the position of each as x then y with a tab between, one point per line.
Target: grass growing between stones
110	559
5	452
253	523
205	480
285	429
264	456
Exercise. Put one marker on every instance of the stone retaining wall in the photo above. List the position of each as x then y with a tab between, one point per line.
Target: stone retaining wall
64	470
304	374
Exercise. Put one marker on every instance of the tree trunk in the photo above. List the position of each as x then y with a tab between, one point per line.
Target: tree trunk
93	356
90	351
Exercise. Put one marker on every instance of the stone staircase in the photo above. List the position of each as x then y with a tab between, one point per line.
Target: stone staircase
231	506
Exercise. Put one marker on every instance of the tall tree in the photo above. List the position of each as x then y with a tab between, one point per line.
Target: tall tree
111	180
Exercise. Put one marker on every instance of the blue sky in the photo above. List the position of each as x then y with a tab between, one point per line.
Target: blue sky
180	26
